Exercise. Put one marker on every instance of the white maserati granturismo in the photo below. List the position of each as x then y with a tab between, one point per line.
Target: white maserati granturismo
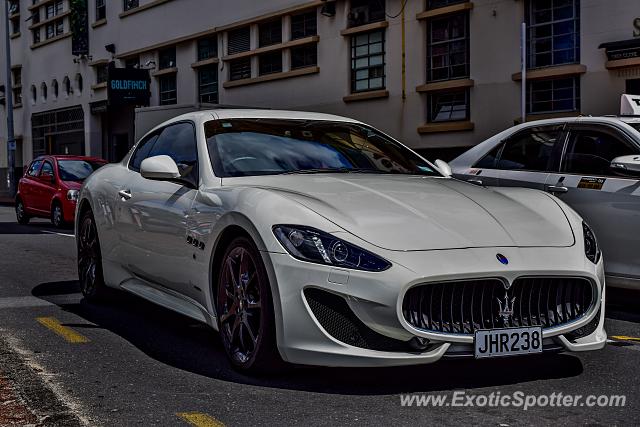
315	239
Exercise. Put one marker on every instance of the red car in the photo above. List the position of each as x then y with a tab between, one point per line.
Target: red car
50	186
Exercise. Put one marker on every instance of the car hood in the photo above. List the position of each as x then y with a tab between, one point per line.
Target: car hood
72	185
411	213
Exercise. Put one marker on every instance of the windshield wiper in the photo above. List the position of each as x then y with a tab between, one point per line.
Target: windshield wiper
334	170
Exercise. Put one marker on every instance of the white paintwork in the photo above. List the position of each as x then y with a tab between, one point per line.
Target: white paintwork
612	211
429	228
630	105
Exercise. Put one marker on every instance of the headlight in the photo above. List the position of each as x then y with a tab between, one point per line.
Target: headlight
309	244
591	249
73	195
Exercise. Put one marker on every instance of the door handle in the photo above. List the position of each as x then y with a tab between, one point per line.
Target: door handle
557	189
125	194
476	182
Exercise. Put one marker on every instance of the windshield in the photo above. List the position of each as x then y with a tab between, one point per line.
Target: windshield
77	170
636	126
250	147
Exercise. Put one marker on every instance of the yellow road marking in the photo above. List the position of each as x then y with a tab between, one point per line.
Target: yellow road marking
199	419
625	338
67	333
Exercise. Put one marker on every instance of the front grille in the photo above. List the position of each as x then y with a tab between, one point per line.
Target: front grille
466	306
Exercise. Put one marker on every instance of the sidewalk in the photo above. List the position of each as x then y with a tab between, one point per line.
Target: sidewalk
6	200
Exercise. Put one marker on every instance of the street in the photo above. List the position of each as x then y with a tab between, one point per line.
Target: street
129	362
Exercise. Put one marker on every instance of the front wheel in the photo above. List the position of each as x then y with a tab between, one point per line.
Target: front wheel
90	260
57	217
21	214
245	309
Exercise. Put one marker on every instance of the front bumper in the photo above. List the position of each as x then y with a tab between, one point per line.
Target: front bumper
375	299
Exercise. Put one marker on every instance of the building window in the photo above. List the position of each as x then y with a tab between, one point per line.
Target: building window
207	48
130	4
66	83
15	25
14	7
434	4
167	58
364	12
17	85
102	73
36	35
448	106
304	25
59	27
54	89
168	91
101	10
270	63
133	62
553	96
367	61
54	28
448	48
554	32
240	69
35	16
238	40
304	56
34	95
79	84
270	33
43	91
54	9
208	84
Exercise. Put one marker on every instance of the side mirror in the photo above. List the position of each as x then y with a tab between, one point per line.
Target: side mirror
627	164
444	167
161	168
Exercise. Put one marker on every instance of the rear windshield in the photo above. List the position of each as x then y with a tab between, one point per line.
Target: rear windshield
77	170
250	147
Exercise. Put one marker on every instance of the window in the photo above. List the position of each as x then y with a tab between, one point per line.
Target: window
58	7
207	48
15	25
239	40
591	152
168	91
50	31
130	4
167	58
101	10
554	32
304	56
366	11
79	83
367	61
36	35
43	92
54	89
448	48
304	25
142	151
270	63
35	16
530	150
434	4
133	62
489	161
270	33
240	69
17	85
556	95
208	84
34	169
179	142
59	27
34	95
47	170
448	106
102	73
66	83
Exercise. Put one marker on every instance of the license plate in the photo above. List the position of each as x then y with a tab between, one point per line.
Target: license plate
508	342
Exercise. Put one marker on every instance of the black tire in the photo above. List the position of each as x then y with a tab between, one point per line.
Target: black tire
21	215
90	271
245	310
57	215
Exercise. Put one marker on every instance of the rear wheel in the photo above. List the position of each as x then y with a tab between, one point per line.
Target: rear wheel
57	217
90	260
245	309
21	214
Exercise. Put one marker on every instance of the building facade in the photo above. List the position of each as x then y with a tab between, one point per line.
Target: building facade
439	75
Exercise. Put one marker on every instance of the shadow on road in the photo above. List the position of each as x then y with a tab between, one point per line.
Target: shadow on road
185	344
623	304
32	228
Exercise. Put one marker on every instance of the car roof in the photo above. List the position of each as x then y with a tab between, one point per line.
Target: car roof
69	157
246	113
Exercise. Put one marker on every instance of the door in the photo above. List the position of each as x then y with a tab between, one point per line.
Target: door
159	243
608	201
528	156
28	187
45	188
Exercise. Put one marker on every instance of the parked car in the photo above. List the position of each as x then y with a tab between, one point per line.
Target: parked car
590	163
50	185
319	240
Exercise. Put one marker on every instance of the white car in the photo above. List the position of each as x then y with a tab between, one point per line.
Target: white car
315	239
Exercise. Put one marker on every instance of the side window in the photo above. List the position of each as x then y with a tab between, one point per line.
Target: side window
47	169
489	161
142	152
591	152
529	150
34	168
179	142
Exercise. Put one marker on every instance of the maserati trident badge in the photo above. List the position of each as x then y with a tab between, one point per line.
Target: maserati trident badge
506	308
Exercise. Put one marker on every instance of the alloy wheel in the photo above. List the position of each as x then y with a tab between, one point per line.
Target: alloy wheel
57	215
240	303
20	213
88	256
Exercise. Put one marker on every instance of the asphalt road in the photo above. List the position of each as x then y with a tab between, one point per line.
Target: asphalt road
132	363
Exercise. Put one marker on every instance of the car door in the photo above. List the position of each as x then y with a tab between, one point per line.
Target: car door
608	201
158	242
528	156
45	187
28	185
